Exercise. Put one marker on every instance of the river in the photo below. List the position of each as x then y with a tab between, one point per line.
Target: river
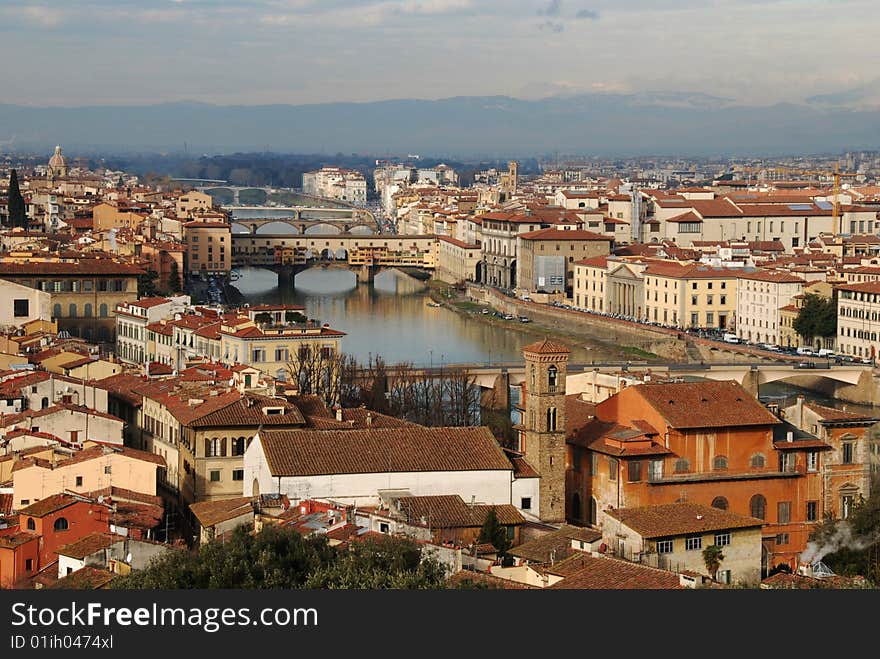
391	318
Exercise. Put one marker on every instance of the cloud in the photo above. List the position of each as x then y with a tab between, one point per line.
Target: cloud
587	13
42	16
552	9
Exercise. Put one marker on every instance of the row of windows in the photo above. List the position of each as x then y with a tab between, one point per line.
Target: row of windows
215	475
72	309
692	543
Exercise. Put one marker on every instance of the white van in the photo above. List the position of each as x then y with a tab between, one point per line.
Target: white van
806	350
826	352
730	338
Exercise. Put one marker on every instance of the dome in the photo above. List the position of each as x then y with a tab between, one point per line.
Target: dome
57	160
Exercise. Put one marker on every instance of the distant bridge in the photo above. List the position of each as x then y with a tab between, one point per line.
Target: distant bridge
749	374
304	220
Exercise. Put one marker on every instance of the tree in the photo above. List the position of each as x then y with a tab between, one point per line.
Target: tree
294	317
264	317
147	283
817	318
712	557
494	533
280	557
17	216
174	284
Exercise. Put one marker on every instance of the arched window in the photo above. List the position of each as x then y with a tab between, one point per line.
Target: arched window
44	402
31	525
720	462
682	466
238	446
87	310
720	503
758	461
758	506
532	377
71	311
56	311
103	310
551	377
61	524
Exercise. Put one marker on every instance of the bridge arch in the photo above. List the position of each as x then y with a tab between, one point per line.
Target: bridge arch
276	227
341	254
239	227
361	230
323	229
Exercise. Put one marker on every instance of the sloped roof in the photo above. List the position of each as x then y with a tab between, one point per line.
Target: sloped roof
379	450
588	573
210	513
547	347
707	404
680	519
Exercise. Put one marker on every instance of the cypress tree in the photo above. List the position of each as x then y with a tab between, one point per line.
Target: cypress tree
17	217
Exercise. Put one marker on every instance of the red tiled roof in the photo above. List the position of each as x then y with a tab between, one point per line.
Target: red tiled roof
588	573
547	347
378	450
561	234
49	505
89	544
210	513
706	404
680	519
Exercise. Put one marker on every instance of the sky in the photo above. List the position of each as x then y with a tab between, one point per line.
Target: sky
247	52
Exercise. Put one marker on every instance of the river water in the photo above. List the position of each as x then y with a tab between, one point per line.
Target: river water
391	318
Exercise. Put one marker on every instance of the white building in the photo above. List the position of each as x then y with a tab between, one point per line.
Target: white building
351	466
858	319
760	296
132	319
22	304
336	183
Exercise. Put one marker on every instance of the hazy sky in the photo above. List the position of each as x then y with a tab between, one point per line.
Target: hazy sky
82	52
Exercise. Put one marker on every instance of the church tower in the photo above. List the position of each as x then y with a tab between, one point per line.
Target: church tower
543	438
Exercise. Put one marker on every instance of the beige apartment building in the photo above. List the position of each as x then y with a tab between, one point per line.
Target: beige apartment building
83	292
106	216
761	294
546	257
692	295
457	261
788	337
208	247
193	202
858	319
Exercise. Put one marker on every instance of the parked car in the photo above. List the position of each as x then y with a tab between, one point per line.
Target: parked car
524	319
507	316
485	312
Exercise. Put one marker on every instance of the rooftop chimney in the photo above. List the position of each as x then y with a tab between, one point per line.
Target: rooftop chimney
369	418
339	414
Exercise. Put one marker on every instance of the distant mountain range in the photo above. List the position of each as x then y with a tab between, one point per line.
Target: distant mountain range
467	126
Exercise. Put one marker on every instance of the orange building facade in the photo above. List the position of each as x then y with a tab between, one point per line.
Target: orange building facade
710	443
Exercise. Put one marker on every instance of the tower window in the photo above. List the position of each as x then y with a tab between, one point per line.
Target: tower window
551	419
552	376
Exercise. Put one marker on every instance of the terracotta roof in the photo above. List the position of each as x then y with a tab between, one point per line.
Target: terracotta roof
450	511
772	276
690	271
547	347
863	287
595	262
379	450
89	544
578	413
49	505
458	243
680	519
589	573
210	513
17	539
561	234
556	545
86	578
834	414
80	267
248	411
705	404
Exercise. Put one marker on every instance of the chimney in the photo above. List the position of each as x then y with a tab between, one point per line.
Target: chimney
369	418
339	413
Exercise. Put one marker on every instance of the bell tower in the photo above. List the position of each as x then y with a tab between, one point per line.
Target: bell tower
543	438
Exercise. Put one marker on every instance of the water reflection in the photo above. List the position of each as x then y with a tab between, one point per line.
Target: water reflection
391	318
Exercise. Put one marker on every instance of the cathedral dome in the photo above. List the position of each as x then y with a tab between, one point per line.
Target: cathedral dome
57	161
